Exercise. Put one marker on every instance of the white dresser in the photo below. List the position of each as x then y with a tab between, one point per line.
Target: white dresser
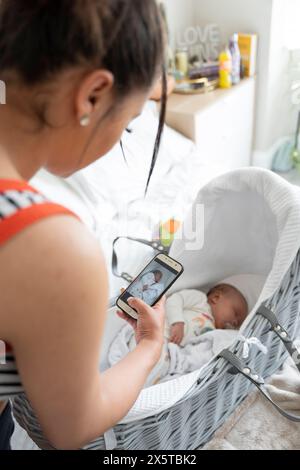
221	123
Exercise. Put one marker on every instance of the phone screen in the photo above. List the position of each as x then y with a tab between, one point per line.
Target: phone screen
151	283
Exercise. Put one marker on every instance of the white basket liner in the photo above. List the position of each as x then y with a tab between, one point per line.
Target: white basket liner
252	225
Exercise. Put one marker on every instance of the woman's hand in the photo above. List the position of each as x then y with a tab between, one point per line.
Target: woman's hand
177	333
149	327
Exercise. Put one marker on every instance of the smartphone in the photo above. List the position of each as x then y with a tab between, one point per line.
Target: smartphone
152	283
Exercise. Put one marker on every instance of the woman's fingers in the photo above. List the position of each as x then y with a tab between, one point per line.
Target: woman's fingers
132	322
161	303
121	315
138	305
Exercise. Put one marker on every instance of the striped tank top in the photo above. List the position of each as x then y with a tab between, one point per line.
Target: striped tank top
20	206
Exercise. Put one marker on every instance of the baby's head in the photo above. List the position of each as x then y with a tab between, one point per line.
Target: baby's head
228	305
158	275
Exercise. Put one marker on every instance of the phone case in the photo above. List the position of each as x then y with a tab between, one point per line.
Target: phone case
162	294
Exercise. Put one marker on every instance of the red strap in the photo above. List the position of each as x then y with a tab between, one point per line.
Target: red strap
24	217
17	185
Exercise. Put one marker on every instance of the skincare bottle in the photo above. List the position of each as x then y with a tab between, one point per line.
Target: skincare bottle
236	59
225	70
182	61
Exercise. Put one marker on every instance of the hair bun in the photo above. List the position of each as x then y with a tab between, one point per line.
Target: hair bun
40	38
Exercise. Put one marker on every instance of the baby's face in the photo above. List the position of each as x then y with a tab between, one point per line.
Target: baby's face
229	309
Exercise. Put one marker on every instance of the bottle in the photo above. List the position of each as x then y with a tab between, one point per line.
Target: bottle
236	59
171	60
225	71
182	61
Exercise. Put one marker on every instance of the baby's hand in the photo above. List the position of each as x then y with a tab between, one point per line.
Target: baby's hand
177	333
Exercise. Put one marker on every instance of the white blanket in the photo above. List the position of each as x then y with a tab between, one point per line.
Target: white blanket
175	360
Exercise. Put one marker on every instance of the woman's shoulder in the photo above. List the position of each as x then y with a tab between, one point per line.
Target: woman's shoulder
21	205
56	240
53	262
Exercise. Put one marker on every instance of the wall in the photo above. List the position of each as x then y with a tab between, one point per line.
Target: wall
281	112
276	23
181	14
248	16
292	35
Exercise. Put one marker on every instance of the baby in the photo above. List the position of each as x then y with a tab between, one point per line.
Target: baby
148	287
190	313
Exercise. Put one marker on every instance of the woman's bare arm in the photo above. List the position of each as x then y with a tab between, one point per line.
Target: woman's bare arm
55	318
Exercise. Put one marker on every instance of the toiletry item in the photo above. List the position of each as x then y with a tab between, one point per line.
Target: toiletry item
182	61
225	64
236	59
208	70
196	86
295	154
248	49
242	70
170	60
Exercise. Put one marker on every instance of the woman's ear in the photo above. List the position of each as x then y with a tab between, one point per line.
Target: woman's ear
94	91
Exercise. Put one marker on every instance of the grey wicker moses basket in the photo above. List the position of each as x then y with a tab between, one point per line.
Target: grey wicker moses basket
251	224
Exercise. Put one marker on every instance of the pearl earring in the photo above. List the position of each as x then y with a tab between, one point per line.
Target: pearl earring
85	120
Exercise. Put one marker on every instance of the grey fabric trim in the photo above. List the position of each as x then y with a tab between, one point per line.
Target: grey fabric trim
281	333
239	366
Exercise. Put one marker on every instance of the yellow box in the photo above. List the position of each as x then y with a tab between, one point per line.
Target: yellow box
248	49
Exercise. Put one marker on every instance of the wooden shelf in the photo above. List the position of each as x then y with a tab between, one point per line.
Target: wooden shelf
182	109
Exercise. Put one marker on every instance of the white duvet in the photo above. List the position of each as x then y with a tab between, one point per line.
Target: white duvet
175	360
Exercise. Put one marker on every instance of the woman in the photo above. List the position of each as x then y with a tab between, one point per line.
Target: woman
77	72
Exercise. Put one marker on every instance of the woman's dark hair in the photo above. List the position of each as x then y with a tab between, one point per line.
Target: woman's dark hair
40	38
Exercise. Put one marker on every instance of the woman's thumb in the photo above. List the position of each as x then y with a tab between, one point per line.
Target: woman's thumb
138	305
161	302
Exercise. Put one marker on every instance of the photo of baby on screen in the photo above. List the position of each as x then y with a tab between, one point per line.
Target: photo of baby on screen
151	283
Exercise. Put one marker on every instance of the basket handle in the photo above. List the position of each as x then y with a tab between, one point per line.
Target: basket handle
155	244
239	366
281	333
